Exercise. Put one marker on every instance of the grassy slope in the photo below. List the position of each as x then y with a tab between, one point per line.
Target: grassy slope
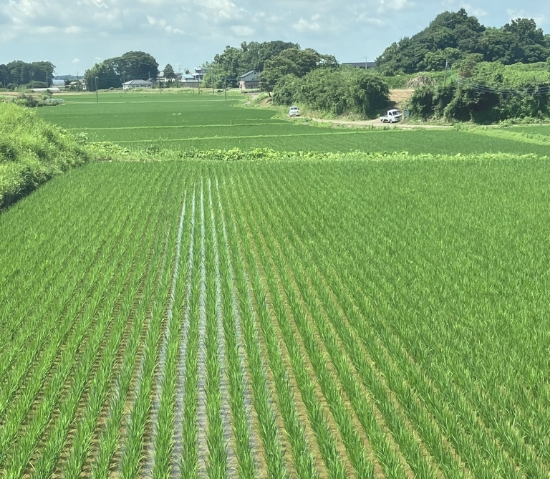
31	152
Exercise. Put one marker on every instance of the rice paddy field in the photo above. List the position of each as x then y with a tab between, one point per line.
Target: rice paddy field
357	316
191	121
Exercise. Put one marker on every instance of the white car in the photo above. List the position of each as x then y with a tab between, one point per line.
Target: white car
294	111
392	116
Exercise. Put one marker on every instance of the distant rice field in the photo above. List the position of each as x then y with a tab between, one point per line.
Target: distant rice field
206	121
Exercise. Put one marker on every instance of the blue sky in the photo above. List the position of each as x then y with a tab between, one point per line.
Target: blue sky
75	34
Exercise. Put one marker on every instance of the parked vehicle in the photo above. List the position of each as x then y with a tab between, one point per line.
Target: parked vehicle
392	116
294	111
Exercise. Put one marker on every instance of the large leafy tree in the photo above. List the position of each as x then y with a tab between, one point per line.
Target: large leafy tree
113	71
169	72
293	61
233	61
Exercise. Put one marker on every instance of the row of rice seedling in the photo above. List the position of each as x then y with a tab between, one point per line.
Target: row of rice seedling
28	348
113	432
366	369
162	411
501	459
135	433
71	396
264	298
177	441
469	405
240	401
246	316
53	296
20	409
109	433
344	420
375	382
228	439
306	307
42	245
218	440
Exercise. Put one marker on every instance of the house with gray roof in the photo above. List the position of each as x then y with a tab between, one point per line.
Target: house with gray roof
249	80
137	84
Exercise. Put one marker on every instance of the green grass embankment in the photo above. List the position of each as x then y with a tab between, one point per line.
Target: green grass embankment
31	152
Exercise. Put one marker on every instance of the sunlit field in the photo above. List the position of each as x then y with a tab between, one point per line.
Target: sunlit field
349	315
191	121
286	319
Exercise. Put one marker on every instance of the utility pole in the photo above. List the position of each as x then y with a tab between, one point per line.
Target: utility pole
225	88
445	81
96	95
366	64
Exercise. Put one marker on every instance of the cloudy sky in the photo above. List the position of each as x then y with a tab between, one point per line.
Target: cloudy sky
75	34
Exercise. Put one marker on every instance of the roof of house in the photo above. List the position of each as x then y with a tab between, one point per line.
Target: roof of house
188	77
361	64
251	72
138	82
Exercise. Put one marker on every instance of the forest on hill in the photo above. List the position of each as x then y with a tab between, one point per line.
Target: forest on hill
454	36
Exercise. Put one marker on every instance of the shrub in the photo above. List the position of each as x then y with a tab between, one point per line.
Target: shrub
335	90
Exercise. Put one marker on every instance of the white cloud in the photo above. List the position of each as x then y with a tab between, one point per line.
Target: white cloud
73	29
363	18
243	30
46	30
394	5
308	26
99	29
540	19
76	60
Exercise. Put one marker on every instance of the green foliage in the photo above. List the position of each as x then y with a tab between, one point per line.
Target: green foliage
21	73
169	73
293	61
233	62
31	152
36	84
335	90
490	92
111	73
454	37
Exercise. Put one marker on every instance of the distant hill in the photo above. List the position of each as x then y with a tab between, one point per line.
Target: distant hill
453	37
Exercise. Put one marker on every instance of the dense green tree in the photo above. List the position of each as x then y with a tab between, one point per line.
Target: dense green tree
234	62
169	72
335	90
293	61
22	73
453	36
4	75
112	72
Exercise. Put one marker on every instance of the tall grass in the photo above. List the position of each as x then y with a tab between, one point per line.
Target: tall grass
31	152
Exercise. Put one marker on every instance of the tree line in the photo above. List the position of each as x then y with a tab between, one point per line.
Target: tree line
32	75
456	36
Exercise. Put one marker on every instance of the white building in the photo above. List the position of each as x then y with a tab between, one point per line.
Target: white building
137	84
